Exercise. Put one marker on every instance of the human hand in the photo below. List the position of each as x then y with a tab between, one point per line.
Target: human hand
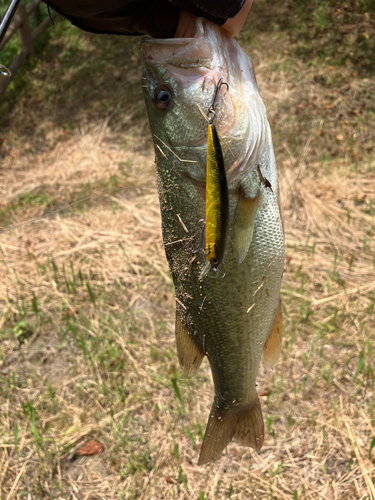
186	22
234	25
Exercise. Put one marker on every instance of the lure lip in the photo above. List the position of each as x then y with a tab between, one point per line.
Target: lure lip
205	270
208	268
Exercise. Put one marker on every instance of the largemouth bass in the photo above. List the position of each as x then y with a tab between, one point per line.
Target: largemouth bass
232	319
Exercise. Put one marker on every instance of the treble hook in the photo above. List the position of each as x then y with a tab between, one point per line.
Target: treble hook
211	109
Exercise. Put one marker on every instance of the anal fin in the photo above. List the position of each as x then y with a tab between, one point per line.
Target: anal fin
243	226
272	347
245	426
189	355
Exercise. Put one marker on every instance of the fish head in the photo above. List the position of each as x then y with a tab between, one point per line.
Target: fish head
179	80
180	76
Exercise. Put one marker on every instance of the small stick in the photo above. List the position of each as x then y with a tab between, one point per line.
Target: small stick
182	224
180	303
178	158
201	306
162	152
177	241
251	307
259	287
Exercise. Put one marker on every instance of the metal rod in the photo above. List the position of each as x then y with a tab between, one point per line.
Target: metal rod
8	16
4	24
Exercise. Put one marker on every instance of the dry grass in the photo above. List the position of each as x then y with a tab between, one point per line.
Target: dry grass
87	313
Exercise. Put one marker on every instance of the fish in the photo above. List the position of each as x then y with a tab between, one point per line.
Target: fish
235	320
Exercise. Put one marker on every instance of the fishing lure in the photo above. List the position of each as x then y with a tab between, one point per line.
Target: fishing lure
217	198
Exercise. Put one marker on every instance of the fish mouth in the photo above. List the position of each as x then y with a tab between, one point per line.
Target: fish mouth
192	64
179	52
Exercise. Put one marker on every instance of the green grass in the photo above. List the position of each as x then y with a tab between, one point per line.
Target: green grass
12	48
87	315
81	64
45	202
332	32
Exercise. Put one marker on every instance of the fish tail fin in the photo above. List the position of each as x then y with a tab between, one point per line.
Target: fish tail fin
250	426
245	426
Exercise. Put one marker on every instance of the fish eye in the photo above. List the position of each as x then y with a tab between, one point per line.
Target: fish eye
214	261
163	96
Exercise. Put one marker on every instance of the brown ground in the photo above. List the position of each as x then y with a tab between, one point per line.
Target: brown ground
86	300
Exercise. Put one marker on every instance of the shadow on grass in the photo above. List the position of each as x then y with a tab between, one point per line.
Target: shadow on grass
337	32
78	78
75	77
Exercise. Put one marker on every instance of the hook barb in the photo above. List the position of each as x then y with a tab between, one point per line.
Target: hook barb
211	109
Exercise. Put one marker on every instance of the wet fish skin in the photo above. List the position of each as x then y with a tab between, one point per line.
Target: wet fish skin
228	320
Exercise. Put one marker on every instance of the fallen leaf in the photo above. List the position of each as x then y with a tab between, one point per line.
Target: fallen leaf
265	392
90	448
72	311
360	198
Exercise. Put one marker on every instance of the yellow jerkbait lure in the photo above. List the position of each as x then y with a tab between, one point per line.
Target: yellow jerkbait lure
217	198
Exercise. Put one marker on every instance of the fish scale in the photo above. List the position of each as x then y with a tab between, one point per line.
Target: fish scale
236	319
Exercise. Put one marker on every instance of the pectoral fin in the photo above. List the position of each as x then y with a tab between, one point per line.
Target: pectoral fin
189	355
272	347
243	226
